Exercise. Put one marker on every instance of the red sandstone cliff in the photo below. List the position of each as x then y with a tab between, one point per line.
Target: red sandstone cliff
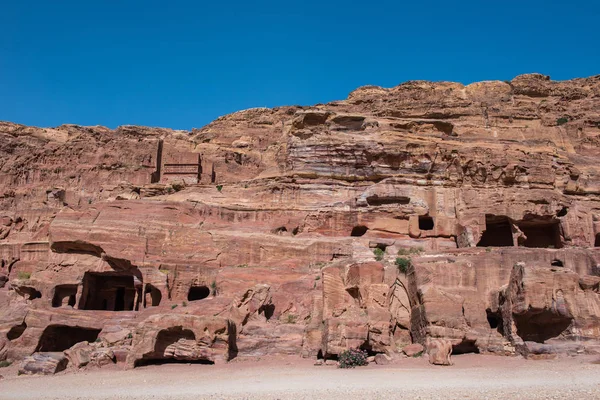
258	234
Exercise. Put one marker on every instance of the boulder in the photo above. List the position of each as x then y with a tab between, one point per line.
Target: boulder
115	335
382	359
80	354
439	351
101	357
43	364
413	350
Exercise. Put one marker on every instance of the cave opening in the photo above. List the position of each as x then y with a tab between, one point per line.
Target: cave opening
16	331
498	232
495	321
109	292
464	347
61	337
198	293
597	242
541	234
153	296
28	292
64	295
267	310
359	230
375	200
165	348
539	326
425	223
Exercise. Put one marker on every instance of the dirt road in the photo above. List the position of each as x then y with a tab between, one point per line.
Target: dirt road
472	377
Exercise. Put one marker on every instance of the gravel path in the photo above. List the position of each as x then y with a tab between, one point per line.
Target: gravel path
472	377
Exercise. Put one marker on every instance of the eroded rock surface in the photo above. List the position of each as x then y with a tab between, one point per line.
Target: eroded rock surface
425	213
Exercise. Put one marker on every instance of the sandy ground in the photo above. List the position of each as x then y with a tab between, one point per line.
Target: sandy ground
472	377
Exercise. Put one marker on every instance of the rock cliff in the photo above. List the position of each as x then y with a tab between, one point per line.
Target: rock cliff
465	216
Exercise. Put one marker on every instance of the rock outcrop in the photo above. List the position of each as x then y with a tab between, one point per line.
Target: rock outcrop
430	213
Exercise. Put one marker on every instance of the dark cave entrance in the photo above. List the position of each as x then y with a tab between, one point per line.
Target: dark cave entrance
64	295
359	230
540	326
495	321
597	242
464	347
198	293
498	232
16	331
61	338
426	223
152	296
109	292
541	234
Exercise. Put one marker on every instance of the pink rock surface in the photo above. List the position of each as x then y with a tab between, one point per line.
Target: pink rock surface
428	212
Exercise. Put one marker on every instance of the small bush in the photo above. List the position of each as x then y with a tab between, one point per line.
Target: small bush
164	271
219	187
352	358
173	306
417	355
4	364
184	304
214	288
562	121
291	318
23	275
410	251
403	264
379	253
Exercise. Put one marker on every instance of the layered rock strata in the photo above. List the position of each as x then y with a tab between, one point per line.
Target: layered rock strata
465	216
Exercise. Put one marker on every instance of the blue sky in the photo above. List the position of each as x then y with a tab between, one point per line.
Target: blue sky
181	64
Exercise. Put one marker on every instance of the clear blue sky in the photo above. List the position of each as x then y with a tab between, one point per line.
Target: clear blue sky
181	64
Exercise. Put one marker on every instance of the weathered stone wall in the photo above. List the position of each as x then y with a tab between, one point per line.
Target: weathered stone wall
467	216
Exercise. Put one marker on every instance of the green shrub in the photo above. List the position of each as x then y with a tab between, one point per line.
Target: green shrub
173	306
410	251
219	187
562	121
4	364
379	253
23	275
291	318
184	304
352	358
403	264
214	288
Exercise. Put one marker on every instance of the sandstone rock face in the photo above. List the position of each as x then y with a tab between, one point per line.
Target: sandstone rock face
425	213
